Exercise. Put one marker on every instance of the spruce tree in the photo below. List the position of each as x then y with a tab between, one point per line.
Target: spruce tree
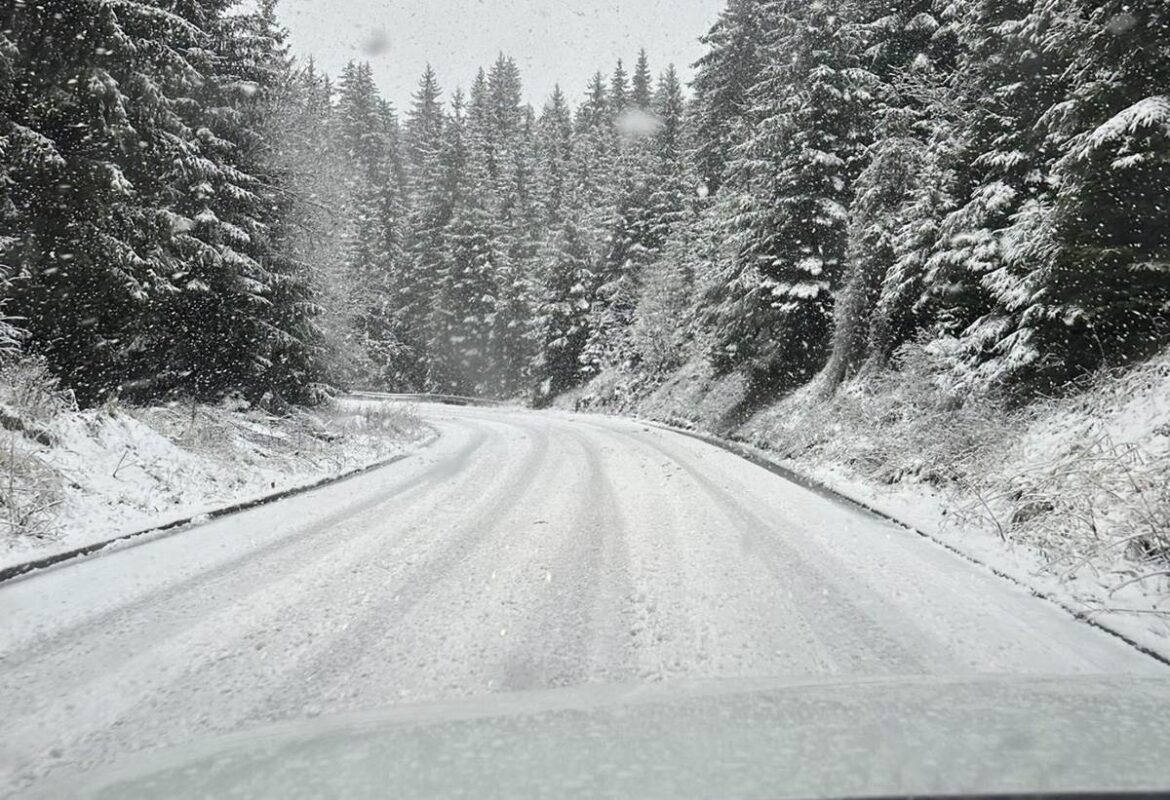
670	178
619	89
641	92
554	160
789	187
87	124
1006	80
910	49
1088	273
723	76
465	342
562	320
430	207
303	132
375	252
291	342
10	335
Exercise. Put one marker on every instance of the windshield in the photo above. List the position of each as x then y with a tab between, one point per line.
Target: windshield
383	358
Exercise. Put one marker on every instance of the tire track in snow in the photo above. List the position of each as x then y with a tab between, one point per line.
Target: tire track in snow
136	698
699	609
845	637
953	618
572	632
377	621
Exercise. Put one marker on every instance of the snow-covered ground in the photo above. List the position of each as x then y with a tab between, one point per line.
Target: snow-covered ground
521	551
78	477
1069	496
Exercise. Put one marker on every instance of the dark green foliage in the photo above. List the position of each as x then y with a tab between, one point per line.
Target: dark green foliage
788	190
1089	279
144	220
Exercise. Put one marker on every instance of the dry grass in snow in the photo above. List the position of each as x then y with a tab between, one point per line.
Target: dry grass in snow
70	477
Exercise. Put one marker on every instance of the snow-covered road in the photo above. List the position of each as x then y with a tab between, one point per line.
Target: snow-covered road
521	551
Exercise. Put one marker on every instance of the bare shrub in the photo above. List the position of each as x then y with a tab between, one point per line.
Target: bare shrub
376	417
1090	485
29	490
906	423
32	392
30	399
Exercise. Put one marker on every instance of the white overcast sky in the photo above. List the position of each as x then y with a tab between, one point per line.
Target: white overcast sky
553	41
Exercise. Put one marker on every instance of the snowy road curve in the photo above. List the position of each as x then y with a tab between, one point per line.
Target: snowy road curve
521	551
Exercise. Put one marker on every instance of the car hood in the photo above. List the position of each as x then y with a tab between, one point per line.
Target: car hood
743	739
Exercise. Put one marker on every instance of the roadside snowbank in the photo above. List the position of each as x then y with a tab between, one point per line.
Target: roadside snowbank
72	478
1069	496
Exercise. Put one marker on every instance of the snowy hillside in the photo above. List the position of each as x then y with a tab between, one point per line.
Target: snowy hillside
71	478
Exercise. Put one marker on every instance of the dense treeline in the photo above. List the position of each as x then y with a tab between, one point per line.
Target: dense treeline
504	248
145	219
991	175
185	211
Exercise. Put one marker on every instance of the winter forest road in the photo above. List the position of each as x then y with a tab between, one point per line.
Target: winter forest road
522	550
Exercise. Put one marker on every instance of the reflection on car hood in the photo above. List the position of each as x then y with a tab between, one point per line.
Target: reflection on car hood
760	738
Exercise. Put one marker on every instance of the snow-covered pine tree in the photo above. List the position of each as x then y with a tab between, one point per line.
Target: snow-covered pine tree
510	145
10	335
302	131
876	216
554	160
671	180
619	89
430	205
723	76
594	154
650	174
910	49
464	345
87	116
290	346
561	322
623	253
667	327
383	290
234	314
1087	279
1005	81
673	234
641	85
594	175
444	371
788	189
617	277
563	259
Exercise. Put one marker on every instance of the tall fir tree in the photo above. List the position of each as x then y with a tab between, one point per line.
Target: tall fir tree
302	130
466	343
619	89
723	76
910	49
553	146
562	321
89	126
1086	278
641	85
380	297
788	191
1005	83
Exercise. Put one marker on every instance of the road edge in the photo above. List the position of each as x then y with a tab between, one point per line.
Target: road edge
759	458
